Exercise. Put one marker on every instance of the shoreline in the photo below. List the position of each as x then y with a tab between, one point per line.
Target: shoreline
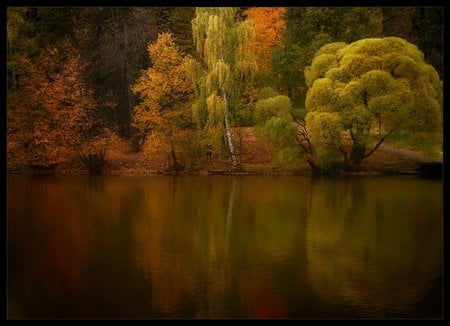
213	173
256	159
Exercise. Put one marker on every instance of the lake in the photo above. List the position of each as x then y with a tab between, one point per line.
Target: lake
224	247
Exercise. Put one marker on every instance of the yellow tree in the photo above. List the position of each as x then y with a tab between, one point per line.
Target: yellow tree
227	63
269	26
165	93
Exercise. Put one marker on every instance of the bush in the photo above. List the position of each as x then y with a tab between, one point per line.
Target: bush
274	106
267	92
288	156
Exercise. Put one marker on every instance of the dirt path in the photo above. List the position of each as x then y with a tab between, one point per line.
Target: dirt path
391	159
407	154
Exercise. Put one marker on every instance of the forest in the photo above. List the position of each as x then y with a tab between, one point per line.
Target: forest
234	89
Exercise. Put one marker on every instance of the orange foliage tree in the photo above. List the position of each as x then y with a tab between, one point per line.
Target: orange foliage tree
61	119
165	94
269	26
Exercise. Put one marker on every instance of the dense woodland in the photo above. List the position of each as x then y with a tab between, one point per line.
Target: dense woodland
325	85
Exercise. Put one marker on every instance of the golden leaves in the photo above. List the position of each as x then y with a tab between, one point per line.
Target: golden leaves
164	89
269	26
61	104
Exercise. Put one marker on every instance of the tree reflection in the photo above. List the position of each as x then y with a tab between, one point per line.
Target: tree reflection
371	246
217	257
222	247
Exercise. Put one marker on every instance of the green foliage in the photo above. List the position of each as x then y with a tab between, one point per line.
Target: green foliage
276	128
299	114
310	28
285	63
376	78
363	80
279	131
279	106
176	20
430	144
346	24
422	26
288	156
55	24
267	92
224	73
324	129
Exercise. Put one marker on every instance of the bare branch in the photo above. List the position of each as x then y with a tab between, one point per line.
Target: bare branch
379	143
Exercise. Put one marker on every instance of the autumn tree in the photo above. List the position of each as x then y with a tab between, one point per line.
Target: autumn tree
61	121
269	26
165	94
226	67
376	81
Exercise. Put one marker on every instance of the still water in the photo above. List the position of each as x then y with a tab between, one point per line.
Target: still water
224	247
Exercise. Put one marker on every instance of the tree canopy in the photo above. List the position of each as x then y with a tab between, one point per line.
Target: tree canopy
354	85
165	93
202	75
275	126
269	26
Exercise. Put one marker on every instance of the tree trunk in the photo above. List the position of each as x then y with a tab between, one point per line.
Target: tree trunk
173	163
230	140
304	141
314	167
228	132
356	157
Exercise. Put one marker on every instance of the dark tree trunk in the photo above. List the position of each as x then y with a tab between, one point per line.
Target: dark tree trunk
94	162
357	155
173	163
314	167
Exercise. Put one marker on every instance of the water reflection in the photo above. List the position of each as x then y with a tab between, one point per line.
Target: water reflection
371	247
218	247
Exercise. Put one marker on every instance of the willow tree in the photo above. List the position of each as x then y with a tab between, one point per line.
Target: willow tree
366	91
227	64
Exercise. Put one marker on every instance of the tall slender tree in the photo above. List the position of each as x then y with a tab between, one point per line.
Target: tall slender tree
224	45
165	94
